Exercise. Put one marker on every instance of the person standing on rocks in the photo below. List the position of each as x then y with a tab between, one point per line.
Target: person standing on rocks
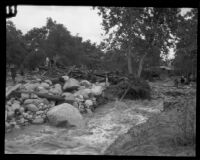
13	72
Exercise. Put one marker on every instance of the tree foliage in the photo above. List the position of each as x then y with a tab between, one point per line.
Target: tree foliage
15	45
186	48
139	31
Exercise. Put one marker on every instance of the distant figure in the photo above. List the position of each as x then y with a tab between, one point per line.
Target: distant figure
176	83
51	63
47	62
182	79
13	72
22	70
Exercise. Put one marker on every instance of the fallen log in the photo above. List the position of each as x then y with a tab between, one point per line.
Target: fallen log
47	96
9	91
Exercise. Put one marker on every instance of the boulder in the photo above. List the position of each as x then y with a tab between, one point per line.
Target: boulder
33	101
42	89
66	78
10	114
31	87
65	113
16	101
96	90
9	103
21	110
33	96
68	96
88	103
48	81
56	90
39	112
31	107
71	84
84	92
7	125
22	121
25	96
44	85
85	83
15	106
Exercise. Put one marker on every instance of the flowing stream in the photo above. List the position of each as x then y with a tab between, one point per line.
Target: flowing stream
100	131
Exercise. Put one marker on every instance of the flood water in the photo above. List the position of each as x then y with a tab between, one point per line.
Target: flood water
100	131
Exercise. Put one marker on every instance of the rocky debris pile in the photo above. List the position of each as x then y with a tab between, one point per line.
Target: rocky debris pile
31	102
130	88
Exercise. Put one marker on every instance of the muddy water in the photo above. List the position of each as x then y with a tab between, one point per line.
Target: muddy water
99	132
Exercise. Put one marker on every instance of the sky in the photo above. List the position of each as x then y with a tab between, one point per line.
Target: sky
81	20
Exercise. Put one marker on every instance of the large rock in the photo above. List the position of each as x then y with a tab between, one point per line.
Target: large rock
88	103
25	96
66	78
31	87
15	106
44	85
10	114
84	92
32	108
56	90
85	83
68	96
34	101
71	84
65	113
97	90
48	81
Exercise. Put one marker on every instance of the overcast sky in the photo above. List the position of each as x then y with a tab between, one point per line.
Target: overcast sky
78	19
82	20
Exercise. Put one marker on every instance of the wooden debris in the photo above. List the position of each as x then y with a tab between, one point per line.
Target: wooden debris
14	88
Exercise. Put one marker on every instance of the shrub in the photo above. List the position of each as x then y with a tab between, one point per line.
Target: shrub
138	89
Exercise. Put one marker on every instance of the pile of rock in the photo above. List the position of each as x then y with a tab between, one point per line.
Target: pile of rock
31	108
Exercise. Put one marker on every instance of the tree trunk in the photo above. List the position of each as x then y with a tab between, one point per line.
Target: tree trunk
141	65
129	58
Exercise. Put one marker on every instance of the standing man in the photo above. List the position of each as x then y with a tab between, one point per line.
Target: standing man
47	62
13	72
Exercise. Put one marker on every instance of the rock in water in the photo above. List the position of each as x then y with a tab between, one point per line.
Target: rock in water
65	113
71	84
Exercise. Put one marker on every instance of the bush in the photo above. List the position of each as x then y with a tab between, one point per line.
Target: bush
138	89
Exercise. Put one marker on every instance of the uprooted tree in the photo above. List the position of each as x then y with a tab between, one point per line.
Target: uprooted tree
139	32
